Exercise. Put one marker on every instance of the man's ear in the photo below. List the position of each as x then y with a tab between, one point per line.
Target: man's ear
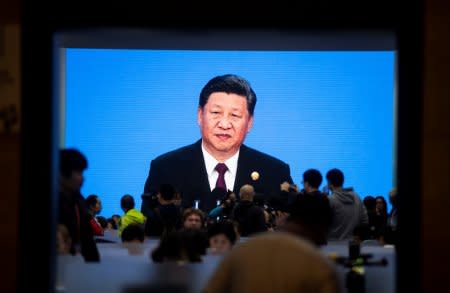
250	123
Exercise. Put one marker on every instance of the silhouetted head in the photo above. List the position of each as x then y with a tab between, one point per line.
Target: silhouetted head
335	177
312	179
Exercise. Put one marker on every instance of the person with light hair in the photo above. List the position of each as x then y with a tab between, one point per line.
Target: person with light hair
249	217
193	219
274	262
247	192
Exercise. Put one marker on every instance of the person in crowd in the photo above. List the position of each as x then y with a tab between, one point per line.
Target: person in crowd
249	216
166	215
288	193
219	159
116	219
348	209
131	215
287	260
94	207
111	224
376	226
381	207
102	221
193	219
183	246
277	208
310	216
221	237
274	262
133	239
224	209
312	179
133	233
72	212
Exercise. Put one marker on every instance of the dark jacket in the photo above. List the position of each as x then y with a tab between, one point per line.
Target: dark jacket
185	169
74	215
250	218
163	219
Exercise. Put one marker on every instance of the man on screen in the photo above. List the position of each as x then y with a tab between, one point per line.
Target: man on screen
219	159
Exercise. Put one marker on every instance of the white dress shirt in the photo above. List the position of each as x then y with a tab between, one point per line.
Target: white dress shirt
230	174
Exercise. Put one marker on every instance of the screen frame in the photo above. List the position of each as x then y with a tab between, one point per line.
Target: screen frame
39	115
209	40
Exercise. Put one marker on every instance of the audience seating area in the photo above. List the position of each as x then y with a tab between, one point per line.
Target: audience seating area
128	268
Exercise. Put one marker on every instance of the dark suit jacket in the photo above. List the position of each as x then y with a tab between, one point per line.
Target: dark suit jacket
79	226
185	169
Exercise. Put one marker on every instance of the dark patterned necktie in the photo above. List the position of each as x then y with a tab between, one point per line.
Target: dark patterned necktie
221	168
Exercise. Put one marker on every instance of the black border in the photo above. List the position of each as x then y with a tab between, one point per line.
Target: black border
39	145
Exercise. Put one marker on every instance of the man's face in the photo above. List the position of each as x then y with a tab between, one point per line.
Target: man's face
73	183
116	219
98	207
224	122
193	222
306	186
379	204
220	243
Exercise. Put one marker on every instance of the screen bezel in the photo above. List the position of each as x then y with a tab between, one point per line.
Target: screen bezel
221	40
39	113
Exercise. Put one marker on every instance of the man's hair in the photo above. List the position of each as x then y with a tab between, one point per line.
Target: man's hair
312	211
91	200
167	191
112	222
313	177
230	84
335	177
103	222
370	203
71	160
247	192
223	227
133	232
191	211
127	202
184	245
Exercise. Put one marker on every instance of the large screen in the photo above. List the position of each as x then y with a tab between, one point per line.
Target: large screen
322	103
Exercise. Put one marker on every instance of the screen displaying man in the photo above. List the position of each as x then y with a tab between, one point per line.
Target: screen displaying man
219	159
